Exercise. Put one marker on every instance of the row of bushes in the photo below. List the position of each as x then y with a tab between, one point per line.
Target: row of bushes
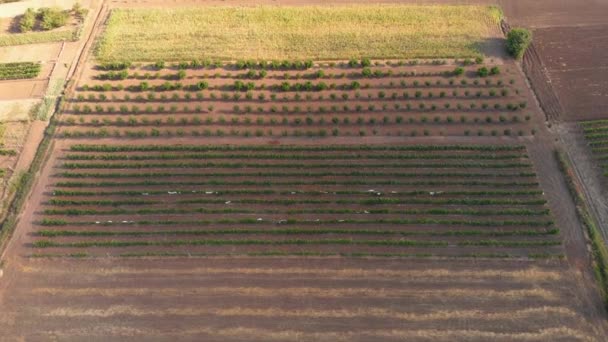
249	95
305	174
237	165
247	221
240	85
290	202
178	211
298	231
422	107
165	148
122	74
142	133
282	156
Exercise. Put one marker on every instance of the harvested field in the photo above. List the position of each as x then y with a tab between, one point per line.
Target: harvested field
268	299
229	33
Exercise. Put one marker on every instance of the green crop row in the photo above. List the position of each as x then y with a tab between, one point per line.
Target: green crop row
358	174
193	165
173	211
5	152
282	156
291	148
246	221
397	243
400	243
283	183
296	231
372	201
173	192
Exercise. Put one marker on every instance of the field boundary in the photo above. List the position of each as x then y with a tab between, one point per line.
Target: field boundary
599	252
27	180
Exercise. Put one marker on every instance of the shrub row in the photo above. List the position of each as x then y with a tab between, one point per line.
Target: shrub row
436	211
506	165
281	156
296	231
200	148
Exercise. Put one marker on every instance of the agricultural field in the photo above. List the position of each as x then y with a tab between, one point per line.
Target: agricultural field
283	32
254	99
260	177
309	200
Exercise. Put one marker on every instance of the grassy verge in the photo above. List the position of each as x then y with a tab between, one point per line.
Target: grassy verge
25	182
268	32
599	252
39	37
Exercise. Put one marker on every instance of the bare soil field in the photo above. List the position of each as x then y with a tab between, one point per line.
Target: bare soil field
297	299
576	61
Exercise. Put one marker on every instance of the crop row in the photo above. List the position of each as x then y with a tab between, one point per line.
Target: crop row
192	242
254	221
180	132
506	165
263	74
419	108
278	174
292	148
177	211
284	87
262	97
288	202
251	64
220	192
283	183
280	156
133	120
296	231
275	64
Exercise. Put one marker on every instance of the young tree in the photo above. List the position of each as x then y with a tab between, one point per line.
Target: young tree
518	40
